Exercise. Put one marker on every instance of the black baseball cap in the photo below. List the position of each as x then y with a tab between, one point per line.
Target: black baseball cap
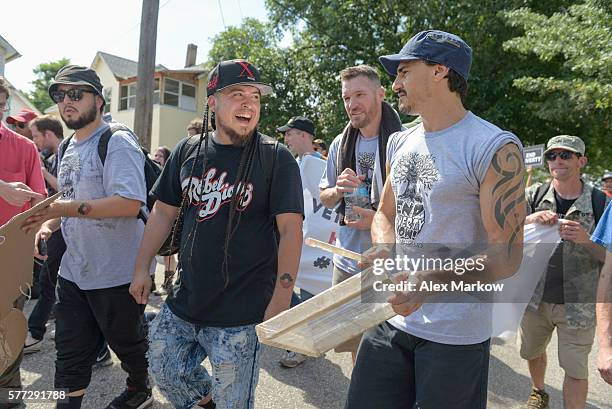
235	72
299	122
436	46
77	75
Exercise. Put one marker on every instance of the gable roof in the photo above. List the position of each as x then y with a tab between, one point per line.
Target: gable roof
9	52
122	68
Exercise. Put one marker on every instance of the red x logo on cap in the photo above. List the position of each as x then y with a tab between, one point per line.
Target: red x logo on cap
245	68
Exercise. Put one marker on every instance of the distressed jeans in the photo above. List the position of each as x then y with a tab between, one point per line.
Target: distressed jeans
177	349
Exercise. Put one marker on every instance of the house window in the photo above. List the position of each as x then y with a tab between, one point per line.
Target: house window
107	93
156	91
179	94
127	97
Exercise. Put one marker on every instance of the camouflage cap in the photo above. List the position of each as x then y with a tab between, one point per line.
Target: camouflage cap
567	142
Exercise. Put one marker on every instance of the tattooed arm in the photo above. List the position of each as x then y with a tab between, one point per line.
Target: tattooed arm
289	252
503	209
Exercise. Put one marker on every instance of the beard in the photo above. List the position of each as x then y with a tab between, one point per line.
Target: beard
365	121
83	120
237	138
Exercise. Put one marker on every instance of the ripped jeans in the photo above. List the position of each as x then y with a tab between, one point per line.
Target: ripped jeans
177	349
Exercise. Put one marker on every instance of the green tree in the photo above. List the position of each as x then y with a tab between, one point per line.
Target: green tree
333	34
44	72
578	96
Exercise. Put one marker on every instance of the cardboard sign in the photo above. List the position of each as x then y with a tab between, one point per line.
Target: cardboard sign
534	156
16	255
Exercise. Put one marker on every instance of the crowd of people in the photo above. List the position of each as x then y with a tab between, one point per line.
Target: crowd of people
232	200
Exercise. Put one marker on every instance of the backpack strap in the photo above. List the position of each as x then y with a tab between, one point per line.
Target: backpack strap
539	195
598	201
62	148
105	138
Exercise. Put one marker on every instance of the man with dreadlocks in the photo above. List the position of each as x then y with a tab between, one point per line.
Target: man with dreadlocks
357	157
230	189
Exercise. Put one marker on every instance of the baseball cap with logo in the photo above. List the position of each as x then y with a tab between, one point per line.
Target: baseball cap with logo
298	122
23	116
77	75
567	142
235	72
436	46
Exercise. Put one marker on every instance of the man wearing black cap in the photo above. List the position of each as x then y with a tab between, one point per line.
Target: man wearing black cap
102	234
299	133
230	189
448	175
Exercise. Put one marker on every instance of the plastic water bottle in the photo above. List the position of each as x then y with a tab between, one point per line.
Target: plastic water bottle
358	197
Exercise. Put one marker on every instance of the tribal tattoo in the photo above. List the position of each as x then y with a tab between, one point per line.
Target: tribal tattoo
508	193
286	280
84	209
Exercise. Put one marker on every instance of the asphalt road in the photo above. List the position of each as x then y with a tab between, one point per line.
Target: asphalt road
321	382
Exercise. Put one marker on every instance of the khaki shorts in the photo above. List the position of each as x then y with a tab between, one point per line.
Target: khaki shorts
352	344
574	343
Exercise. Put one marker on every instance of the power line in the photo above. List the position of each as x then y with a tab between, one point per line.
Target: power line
221	11
240	10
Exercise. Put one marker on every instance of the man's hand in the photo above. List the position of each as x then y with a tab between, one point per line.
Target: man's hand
140	288
17	193
365	219
274	309
573	231
542	217
53	211
43	234
377	251
405	303
348	181
604	364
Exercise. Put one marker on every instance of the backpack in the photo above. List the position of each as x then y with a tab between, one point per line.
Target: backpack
267	151
152	169
598	200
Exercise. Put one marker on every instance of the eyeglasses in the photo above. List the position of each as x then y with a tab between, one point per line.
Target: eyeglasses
75	94
565	155
20	125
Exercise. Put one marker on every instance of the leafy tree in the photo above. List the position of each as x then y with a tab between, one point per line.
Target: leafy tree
578	96
44	72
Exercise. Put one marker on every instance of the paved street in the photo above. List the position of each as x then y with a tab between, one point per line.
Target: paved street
322	382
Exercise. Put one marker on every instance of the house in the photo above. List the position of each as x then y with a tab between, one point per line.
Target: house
17	100
179	94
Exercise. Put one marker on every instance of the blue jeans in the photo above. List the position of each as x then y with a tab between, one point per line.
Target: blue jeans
177	348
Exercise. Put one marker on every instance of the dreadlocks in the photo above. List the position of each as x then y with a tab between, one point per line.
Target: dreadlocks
242	176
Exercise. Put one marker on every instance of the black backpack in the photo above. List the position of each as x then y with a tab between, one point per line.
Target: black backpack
598	200
152	169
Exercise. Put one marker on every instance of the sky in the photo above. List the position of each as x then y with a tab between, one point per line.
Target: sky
45	31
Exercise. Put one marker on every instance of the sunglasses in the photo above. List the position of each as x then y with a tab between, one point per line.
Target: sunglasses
565	155
20	125
75	94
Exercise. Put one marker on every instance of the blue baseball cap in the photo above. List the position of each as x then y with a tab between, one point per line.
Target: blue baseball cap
435	46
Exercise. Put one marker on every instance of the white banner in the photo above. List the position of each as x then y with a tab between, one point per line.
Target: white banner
315	271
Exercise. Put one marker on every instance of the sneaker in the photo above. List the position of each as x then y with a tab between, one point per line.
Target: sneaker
292	359
31	345
537	400
104	359
132	399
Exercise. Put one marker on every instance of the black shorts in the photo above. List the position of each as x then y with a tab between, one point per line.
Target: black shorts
396	370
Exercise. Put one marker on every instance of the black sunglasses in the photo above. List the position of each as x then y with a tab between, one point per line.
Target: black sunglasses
75	94
565	155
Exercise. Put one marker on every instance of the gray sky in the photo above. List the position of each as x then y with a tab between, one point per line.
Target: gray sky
44	31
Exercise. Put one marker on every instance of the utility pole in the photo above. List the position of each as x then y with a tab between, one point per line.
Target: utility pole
143	114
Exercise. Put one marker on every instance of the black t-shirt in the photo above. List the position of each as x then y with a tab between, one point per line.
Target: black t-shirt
273	188
553	287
